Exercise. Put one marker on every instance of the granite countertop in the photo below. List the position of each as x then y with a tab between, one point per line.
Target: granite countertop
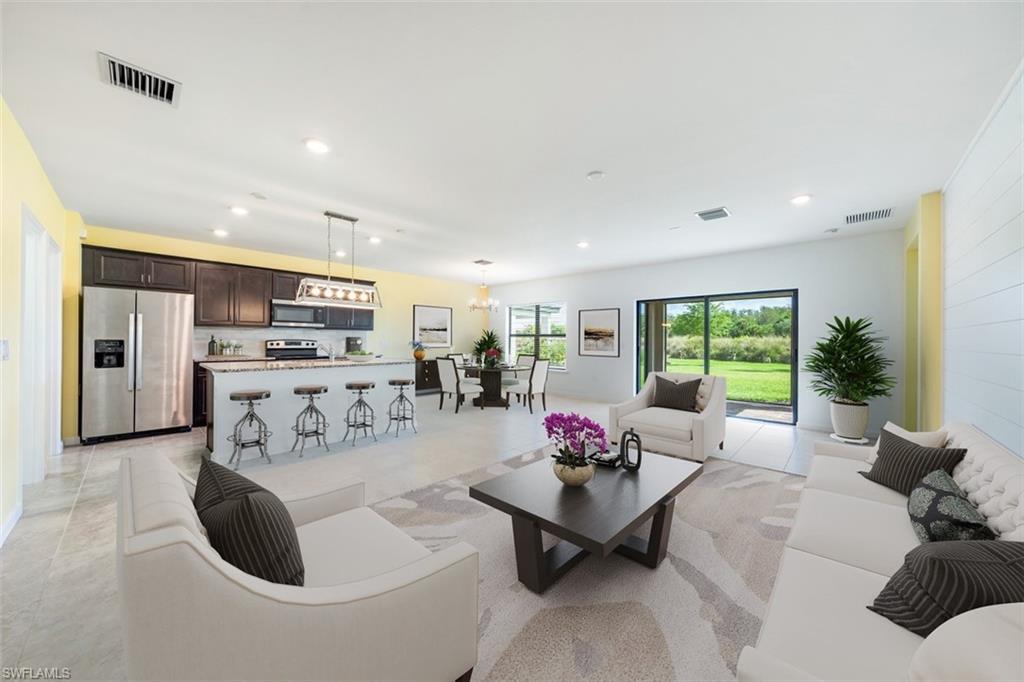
274	365
230	358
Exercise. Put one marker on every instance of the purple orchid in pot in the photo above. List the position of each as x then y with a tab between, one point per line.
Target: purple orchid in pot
574	436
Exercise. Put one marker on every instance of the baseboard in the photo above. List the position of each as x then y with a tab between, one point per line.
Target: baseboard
10	523
71	442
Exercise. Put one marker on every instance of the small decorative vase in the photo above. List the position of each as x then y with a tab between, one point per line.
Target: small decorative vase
849	420
419	354
573	476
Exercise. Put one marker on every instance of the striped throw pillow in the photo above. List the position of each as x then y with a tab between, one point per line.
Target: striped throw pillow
248	525
901	463
941	580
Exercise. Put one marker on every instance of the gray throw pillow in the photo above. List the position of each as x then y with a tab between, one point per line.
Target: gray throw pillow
676	396
940	511
941	580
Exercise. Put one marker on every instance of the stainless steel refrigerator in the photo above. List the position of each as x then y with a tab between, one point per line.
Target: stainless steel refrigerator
136	361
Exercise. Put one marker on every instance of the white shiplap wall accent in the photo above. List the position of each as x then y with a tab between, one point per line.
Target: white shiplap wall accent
983	278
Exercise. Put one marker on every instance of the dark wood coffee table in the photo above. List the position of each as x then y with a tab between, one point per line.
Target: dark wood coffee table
598	518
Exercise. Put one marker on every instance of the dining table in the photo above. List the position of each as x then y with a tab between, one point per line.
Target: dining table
490	381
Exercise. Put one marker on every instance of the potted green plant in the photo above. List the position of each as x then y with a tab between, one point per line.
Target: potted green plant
488	341
849	369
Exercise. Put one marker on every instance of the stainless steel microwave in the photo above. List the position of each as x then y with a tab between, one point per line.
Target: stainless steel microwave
291	314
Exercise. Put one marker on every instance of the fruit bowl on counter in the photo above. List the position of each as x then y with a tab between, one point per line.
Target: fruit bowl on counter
359	356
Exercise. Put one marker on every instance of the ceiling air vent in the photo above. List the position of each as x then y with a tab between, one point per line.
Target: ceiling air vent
880	214
713	213
127	76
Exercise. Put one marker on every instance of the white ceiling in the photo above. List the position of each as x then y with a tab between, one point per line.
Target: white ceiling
470	127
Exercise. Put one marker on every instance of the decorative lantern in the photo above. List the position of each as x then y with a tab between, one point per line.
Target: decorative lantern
629	438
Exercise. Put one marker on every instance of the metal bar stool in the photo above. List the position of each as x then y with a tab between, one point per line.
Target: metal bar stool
258	427
311	421
360	414
401	409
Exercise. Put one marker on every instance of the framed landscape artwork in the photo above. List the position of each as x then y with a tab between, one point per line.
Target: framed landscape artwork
432	326
599	332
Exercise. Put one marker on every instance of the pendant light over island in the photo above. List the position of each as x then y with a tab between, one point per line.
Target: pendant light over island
338	293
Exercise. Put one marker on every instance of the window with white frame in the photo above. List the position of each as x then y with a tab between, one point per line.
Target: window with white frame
537	329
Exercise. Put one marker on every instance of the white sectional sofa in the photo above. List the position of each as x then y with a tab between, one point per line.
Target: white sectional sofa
376	604
849	536
691	435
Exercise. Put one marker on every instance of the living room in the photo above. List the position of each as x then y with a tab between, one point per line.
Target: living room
721	304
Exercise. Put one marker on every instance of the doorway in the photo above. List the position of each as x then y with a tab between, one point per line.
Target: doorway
748	338
40	349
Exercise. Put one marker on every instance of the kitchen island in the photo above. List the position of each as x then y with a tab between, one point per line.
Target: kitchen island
280	377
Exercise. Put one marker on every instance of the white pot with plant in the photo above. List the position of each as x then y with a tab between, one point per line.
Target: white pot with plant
849	369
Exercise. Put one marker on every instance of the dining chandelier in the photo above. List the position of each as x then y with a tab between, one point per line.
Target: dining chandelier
338	293
489	304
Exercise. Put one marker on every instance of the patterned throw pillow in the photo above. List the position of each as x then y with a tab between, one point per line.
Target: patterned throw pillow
941	580
902	463
940	511
248	525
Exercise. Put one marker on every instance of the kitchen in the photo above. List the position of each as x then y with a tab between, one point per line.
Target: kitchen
150	322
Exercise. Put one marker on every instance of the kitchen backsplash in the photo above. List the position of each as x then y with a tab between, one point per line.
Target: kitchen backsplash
252	340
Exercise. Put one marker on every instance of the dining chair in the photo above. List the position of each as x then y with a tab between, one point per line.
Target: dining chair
452	385
460	360
536	385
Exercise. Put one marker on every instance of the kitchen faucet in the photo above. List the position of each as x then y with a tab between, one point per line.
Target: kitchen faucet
329	348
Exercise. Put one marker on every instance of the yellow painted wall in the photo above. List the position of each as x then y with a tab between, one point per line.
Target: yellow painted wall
23	184
924	232
392	324
910	395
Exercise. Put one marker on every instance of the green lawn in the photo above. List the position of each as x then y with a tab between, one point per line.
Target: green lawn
759	382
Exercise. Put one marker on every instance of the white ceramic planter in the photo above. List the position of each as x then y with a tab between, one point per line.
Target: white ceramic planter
573	476
849	421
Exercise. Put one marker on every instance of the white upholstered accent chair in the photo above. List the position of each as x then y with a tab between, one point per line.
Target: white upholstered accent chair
535	385
691	435
376	605
453	385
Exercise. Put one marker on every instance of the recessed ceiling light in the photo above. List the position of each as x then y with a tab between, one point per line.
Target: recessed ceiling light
220	232
800	199
240	210
316	146
582	245
595	175
375	240
339	253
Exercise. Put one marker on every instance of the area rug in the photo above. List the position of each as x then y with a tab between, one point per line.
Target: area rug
614	619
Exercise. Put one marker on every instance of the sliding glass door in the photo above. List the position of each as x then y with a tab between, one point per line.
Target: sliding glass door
747	338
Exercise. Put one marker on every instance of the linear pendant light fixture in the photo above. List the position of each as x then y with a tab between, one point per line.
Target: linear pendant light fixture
338	293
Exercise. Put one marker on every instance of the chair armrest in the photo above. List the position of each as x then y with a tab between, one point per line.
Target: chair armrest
993	635
708	427
639	402
308	497
757	666
831	448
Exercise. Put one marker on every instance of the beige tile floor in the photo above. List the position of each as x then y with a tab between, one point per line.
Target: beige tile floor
58	584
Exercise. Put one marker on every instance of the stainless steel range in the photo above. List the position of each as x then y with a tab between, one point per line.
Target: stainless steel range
294	349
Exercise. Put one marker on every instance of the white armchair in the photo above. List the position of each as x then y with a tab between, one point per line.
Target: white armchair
375	604
691	435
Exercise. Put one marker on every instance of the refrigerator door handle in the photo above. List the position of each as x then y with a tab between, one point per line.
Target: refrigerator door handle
131	352
138	352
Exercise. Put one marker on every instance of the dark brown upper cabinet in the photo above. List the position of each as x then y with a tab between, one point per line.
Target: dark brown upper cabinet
283	285
252	297
108	267
229	296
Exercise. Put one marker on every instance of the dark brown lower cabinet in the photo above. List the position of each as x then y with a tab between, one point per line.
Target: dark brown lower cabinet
427	378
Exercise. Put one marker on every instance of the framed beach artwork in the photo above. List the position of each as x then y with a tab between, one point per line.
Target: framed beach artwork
599	332
432	326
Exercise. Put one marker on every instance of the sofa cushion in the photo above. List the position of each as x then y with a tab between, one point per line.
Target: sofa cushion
354	545
659	421
929	439
160	498
675	395
248	525
817	622
940	511
993	479
869	535
941	580
902	463
842	475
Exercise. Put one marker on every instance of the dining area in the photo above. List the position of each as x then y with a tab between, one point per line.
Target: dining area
493	383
